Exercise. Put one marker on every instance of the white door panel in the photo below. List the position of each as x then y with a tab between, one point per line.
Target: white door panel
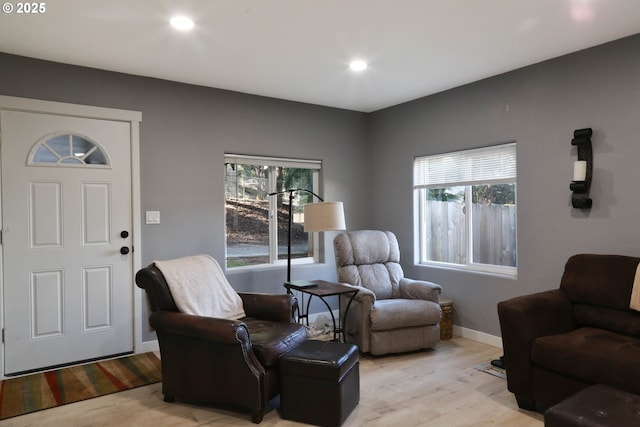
68	294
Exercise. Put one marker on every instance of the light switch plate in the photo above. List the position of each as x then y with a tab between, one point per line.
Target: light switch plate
153	217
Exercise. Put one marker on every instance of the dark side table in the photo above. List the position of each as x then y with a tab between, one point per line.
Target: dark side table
323	289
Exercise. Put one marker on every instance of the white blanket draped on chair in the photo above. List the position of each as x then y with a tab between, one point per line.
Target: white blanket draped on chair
198	286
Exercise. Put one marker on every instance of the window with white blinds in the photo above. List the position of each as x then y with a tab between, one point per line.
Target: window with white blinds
487	165
272	161
465	209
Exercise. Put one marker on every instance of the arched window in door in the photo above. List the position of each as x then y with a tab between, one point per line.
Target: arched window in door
66	149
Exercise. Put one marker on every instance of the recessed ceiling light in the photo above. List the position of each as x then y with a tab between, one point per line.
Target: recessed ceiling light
181	23
358	65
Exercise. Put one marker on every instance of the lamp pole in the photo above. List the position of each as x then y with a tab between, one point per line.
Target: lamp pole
291	192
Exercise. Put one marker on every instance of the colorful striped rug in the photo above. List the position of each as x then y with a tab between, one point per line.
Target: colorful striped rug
44	390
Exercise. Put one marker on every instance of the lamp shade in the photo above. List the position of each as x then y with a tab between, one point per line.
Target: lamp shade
324	216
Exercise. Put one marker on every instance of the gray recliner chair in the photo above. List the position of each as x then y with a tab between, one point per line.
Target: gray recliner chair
390	313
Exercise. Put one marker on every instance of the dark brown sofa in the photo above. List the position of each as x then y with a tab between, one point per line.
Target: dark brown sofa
561	341
220	361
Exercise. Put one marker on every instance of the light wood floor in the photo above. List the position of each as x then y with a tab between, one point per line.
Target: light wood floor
437	388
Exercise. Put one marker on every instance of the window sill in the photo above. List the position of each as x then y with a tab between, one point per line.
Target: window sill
264	267
504	272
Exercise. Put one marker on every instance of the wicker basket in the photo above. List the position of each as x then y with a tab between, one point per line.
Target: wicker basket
446	321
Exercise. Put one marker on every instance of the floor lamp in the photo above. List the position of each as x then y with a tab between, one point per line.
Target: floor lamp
322	216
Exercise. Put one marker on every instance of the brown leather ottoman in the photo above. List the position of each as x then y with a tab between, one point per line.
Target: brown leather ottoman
596	406
319	382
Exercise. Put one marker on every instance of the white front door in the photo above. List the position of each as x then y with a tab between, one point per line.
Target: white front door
66	217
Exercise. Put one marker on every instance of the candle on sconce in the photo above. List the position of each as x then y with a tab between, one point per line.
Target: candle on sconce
580	170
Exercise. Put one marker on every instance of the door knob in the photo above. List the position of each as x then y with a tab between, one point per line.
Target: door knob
124	250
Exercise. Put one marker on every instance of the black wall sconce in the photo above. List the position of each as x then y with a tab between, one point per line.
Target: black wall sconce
582	169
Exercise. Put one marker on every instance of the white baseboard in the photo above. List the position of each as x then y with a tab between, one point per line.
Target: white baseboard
457	330
149	346
314	316
477	336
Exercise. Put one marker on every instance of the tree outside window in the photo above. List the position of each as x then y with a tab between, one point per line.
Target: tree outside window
256	223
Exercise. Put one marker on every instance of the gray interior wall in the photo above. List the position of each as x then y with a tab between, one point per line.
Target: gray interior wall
184	134
368	160
539	107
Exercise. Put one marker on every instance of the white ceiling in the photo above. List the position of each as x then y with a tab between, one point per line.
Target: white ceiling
300	49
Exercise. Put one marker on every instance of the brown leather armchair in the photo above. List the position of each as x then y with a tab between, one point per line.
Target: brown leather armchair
220	361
